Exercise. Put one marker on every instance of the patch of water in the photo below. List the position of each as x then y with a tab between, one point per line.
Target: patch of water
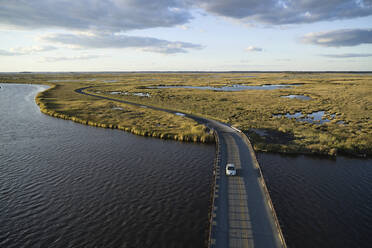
290	116
128	93
315	117
245	76
301	97
235	87
141	94
260	132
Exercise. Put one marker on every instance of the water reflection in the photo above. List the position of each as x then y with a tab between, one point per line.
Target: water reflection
235	87
301	97
140	94
318	117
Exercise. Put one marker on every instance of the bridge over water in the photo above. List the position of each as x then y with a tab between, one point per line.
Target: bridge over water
242	211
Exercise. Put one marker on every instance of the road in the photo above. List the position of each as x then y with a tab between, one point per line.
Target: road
242	214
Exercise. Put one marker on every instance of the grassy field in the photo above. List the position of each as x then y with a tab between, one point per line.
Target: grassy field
345	98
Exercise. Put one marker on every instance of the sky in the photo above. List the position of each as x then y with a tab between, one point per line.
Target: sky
185	35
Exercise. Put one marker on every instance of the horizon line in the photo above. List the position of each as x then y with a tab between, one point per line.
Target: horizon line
192	71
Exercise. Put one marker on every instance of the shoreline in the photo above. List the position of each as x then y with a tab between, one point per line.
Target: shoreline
146	133
314	153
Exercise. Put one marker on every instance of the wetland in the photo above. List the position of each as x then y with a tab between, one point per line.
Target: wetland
336	120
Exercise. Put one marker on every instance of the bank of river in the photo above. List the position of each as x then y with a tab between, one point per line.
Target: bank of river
64	184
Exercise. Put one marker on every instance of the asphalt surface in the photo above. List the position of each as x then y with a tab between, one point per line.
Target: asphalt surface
241	212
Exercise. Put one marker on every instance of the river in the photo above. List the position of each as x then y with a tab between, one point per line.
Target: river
64	184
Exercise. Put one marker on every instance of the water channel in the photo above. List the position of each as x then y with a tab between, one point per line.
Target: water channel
64	184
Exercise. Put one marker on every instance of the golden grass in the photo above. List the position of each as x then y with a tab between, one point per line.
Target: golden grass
348	96
62	101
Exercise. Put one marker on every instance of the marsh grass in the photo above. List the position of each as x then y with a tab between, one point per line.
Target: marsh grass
347	96
61	101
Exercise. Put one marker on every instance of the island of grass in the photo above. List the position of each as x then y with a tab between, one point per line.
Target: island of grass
316	113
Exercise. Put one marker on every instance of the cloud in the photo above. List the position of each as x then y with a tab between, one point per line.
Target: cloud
7	53
125	15
104	40
253	49
99	20
108	15
26	50
338	38
278	12
184	27
80	57
33	49
347	55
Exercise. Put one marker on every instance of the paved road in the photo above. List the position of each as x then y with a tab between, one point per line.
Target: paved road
242	214
243	217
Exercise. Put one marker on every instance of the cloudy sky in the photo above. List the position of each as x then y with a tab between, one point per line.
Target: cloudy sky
137	35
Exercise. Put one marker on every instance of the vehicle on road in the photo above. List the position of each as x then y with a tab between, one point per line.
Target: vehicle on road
230	170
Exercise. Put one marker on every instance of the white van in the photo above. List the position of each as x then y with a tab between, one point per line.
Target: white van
230	170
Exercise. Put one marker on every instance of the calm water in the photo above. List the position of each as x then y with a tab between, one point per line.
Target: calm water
301	97
321	202
68	185
235	87
315	117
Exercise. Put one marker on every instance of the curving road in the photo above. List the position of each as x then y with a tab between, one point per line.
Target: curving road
242	214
